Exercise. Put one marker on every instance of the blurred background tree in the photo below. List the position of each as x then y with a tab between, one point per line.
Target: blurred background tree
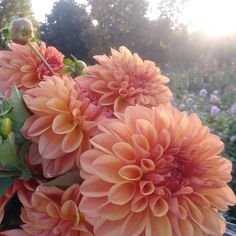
14	8
10	8
125	23
65	27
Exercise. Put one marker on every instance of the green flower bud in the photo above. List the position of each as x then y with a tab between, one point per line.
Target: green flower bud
81	65
21	31
6	125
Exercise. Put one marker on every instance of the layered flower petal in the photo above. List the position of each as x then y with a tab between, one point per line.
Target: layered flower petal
52	211
23	67
62	122
124	79
155	172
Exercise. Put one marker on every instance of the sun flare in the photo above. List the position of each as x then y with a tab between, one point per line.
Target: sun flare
215	17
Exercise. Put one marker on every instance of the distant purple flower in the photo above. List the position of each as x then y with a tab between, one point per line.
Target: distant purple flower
215	110
233	109
234	90
214	98
189	101
181	106
195	107
203	93
232	138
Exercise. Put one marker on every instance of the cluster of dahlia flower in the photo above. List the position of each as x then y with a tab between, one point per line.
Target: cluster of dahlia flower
108	153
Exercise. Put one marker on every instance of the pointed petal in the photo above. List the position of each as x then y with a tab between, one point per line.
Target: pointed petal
63	124
95	187
72	141
121	193
107	168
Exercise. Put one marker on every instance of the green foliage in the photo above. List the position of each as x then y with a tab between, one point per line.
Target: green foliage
74	67
5	107
10	9
18	114
66	180
5	183
125	24
8	156
5	35
11	161
25	173
210	76
13	146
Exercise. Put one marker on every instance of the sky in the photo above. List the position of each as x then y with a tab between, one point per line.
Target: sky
215	17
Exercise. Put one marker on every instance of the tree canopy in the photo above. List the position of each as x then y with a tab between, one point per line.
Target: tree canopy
93	29
65	28
10	8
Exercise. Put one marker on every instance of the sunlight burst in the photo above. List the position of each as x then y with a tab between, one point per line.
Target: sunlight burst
215	18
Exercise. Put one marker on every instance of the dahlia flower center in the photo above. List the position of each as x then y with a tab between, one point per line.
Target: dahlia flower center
161	176
77	117
136	85
54	63
138	82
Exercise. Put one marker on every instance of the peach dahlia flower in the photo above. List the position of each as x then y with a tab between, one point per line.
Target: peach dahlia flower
22	66
155	172
125	79
51	212
62	122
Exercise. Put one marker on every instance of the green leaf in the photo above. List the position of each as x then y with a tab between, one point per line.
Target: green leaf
5	108
5	33
5	184
25	171
78	66
19	114
9	174
8	156
66	69
19	139
66	180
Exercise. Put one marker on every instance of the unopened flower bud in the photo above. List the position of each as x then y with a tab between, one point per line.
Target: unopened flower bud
6	125
80	66
21	31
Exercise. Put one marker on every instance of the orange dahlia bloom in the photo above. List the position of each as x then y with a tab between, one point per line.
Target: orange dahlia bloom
155	172
125	79
63	121
22	66
53	211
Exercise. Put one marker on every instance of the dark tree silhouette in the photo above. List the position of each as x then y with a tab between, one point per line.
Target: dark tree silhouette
65	27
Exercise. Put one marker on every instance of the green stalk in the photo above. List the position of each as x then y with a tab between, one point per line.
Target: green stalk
41	57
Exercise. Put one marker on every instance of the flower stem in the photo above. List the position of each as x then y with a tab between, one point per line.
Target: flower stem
41	57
